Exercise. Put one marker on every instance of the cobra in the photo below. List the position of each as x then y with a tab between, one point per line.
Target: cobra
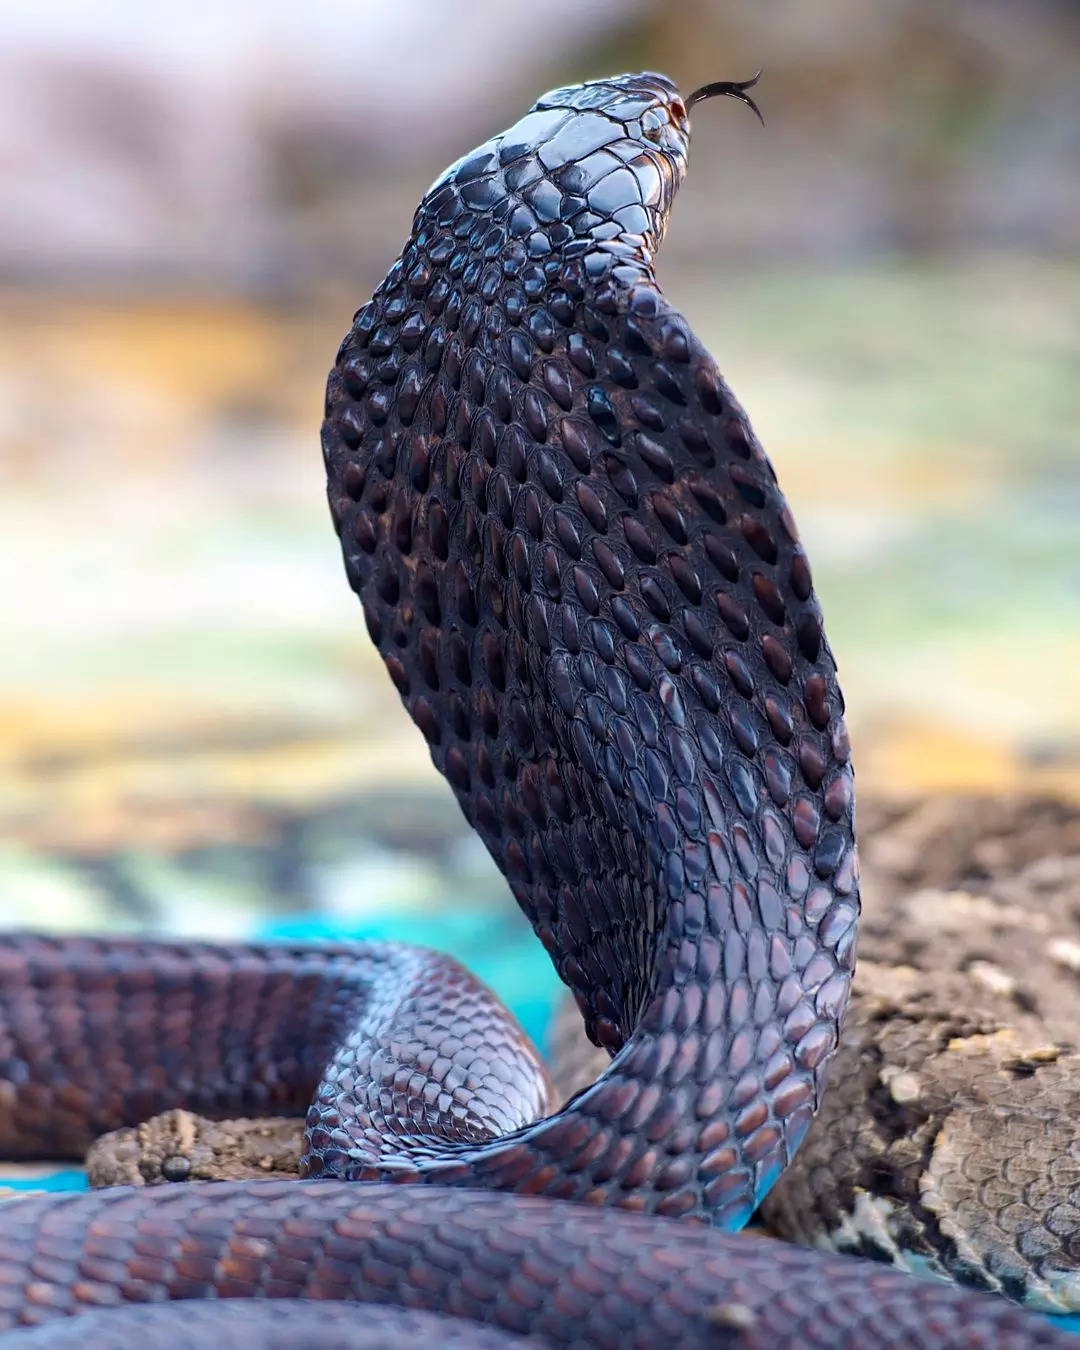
575	560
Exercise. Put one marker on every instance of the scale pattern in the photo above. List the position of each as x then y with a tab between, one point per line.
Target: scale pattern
96	1034
575	560
286	1324
560	1273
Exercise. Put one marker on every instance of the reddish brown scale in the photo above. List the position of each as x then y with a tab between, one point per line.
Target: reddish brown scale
78	1014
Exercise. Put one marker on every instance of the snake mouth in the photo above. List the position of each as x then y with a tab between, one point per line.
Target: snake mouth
729	89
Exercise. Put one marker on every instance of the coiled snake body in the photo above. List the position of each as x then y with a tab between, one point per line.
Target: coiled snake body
589	591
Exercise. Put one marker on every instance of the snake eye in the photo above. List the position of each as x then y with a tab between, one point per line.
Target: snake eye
652	126
176	1168
678	110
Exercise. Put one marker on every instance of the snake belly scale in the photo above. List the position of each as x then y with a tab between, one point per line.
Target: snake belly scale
575	560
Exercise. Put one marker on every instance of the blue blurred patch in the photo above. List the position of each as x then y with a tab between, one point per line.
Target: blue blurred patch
67	1179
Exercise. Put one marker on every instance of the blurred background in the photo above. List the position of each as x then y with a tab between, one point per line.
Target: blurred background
196	734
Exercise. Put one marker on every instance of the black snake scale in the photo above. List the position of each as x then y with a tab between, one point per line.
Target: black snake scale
589	591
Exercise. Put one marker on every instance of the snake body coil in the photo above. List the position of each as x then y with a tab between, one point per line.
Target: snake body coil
589	591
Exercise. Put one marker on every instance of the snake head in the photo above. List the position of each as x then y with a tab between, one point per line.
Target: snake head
588	163
635	122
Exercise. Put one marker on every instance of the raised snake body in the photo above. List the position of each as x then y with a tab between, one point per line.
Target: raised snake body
589	591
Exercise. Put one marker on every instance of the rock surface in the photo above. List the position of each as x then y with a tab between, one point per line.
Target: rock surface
948	1141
